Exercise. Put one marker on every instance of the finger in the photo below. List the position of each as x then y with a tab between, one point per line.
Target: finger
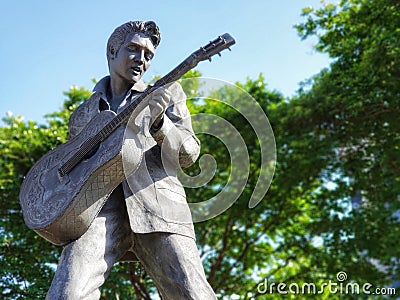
156	110
161	91
160	100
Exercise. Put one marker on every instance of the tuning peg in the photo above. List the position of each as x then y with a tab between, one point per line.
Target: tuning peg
209	58
229	49
219	54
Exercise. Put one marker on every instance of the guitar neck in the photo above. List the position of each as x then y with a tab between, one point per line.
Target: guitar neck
214	47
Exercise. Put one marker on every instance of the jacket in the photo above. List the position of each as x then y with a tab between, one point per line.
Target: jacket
155	199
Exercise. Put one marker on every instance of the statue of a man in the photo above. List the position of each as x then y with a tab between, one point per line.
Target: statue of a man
147	217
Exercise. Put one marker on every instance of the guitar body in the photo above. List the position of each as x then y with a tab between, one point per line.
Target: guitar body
61	209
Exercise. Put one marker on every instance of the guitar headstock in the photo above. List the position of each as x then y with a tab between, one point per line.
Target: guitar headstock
214	47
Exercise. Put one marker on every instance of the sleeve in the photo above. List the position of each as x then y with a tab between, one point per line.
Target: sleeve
176	137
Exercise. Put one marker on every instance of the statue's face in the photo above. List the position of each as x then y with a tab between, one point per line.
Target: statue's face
133	58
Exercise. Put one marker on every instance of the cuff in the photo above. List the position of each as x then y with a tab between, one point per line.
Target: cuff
160	132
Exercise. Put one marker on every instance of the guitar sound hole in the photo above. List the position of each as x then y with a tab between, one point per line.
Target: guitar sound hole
92	152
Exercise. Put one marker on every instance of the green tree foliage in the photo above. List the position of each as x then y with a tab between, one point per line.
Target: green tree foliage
26	260
242	247
351	111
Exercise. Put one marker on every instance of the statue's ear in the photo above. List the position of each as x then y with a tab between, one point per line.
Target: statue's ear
112	52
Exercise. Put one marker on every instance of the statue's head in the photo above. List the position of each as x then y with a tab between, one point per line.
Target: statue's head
130	50
117	38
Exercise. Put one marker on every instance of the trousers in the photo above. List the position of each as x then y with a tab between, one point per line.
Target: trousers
171	260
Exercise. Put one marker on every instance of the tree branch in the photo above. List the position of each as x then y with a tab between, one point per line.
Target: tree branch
140	289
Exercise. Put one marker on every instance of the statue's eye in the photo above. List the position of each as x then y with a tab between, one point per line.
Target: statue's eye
131	48
148	55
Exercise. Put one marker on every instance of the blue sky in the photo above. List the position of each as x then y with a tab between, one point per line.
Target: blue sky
48	46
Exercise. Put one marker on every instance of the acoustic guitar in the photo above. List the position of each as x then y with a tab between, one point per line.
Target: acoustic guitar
66	189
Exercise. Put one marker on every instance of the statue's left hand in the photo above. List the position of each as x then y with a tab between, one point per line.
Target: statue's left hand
158	104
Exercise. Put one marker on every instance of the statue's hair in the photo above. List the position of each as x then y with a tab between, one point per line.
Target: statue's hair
117	38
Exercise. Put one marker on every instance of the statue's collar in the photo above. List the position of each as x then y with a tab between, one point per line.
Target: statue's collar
104	83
